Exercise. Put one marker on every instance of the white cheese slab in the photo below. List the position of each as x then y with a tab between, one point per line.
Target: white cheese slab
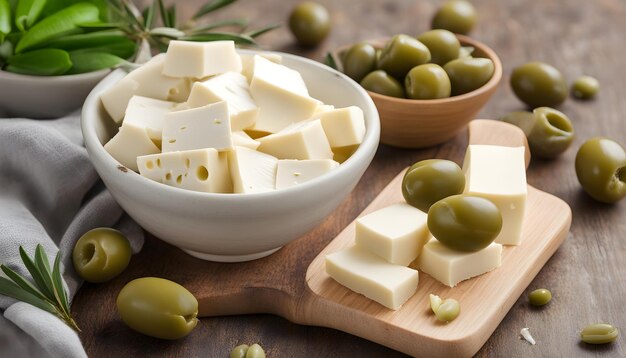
148	113
201	59
252	171
365	273
198	128
499	174
115	99
304	140
396	233
129	143
343	126
204	170
281	94
294	172
233	88
247	63
451	267
242	139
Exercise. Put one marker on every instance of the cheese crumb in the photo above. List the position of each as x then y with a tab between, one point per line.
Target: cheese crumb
525	332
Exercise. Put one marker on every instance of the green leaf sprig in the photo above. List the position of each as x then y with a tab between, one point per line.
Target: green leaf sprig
46	291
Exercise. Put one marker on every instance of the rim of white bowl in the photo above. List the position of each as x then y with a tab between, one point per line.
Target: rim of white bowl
370	141
63	78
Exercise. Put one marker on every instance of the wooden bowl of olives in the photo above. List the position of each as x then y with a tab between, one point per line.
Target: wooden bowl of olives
426	89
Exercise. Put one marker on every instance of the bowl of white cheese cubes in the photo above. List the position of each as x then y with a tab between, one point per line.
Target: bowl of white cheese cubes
229	154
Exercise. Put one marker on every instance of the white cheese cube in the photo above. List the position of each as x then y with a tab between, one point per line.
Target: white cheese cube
451	267
365	273
181	92
201	59
294	172
148	113
197	128
396	233
281	94
305	140
115	99
203	170
242	139
129	143
321	108
230	87
343	126
499	174
252	171
247	63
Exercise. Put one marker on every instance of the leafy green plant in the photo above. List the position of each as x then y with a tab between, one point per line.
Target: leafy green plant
57	37
46	291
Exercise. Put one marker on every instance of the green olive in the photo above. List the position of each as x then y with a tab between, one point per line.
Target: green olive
359	60
255	351
448	310
585	87
466	51
239	351
522	119
539	297
401	54
427	81
538	84
380	82
442	44
101	254
465	222
457	16
601	169
158	307
551	134
310	23
428	181
435	302
599	333
468	74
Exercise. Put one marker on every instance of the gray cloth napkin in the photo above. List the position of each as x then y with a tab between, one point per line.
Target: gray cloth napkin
50	195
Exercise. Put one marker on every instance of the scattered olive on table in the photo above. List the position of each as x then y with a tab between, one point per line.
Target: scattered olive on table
310	23
239	351
359	60
443	45
465	222
158	307
585	87
601	169
448	310
458	16
380	82
539	85
599	333
427	81
468	74
101	254
428	181
401	54
539	297
245	351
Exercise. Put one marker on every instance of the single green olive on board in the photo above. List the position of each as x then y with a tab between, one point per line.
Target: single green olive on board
158	307
310	23
428	181
465	222
538	84
239	351
599	333
468	74
551	134
442	44
380	82
457	16
539	297
101	254
601	169
448	310
255	351
359	60
427	81
585	87
401	54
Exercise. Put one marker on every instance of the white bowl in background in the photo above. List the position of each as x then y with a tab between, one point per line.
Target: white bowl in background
235	227
45	96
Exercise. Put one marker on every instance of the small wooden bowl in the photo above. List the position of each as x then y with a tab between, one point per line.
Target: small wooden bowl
411	123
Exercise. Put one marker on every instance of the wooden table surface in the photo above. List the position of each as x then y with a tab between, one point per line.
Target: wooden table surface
587	276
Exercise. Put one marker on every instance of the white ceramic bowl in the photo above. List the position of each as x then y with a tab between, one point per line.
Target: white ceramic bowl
44	96
235	227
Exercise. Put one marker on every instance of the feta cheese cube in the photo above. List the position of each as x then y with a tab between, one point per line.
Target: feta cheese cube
129	143
252	171
247	63
201	59
305	140
148	113
115	99
242	139
343	126
294	172
197	128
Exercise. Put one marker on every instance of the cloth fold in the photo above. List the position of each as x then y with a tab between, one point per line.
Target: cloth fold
50	194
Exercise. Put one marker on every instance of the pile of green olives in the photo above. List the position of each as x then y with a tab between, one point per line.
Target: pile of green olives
433	65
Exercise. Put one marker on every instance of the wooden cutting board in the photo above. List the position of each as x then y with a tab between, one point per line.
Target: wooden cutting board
311	297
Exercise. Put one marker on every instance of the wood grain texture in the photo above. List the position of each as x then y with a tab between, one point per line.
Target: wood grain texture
586	275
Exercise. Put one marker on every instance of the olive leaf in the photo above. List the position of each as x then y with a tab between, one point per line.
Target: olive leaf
47	292
221	36
5	19
27	12
212	6
149	16
165	19
88	61
241	23
171	15
263	30
167	32
113	42
330	61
